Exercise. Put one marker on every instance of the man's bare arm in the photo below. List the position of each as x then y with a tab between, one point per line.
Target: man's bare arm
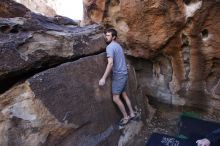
107	71
108	68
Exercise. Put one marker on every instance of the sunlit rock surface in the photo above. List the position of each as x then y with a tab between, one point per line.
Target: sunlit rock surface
45	7
71	9
179	41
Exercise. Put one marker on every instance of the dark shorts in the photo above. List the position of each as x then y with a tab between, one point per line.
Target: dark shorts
119	83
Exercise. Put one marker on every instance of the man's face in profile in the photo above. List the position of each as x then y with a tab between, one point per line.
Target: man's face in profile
108	37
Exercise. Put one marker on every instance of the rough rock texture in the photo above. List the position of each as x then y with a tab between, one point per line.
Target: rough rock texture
195	57
179	41
145	26
93	11
32	47
131	130
9	8
63	106
31	42
54	70
175	60
40	6
154	77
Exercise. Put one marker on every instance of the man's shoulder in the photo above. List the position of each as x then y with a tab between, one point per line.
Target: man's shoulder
113	45
110	46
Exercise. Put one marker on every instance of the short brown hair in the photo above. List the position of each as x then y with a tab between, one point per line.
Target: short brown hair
113	32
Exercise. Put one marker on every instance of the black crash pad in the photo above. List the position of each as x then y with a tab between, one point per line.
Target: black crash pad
157	139
196	128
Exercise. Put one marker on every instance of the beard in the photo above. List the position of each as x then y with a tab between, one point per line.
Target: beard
108	42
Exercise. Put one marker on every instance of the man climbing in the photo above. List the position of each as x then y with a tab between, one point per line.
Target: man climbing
210	140
117	64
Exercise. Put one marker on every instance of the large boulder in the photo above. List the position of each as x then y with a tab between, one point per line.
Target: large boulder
34	42
178	41
11	9
64	106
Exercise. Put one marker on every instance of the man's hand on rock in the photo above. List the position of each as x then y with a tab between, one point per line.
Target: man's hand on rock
101	82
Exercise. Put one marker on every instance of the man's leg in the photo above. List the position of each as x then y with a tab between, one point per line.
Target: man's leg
117	100
128	102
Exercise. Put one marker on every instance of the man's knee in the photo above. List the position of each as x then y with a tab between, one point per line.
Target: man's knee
116	98
124	95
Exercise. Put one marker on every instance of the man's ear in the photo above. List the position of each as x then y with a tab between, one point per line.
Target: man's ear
114	37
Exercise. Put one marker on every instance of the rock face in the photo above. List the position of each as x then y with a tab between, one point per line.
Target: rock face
195	58
145	26
40	6
178	41
9	8
35	46
31	42
93	11
64	106
54	69
173	58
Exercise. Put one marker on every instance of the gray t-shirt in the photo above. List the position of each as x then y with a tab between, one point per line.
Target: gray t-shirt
115	51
